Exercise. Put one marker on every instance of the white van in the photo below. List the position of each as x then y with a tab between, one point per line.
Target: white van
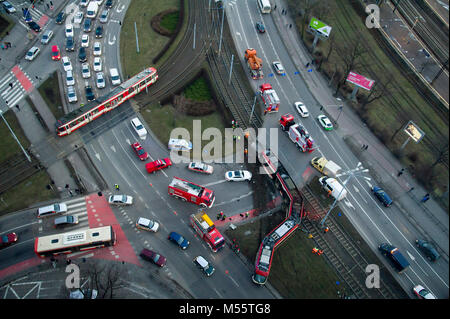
264	6
115	77
333	187
92	9
51	210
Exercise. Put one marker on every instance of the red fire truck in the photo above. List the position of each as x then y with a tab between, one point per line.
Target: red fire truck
188	191
297	133
269	97
205	228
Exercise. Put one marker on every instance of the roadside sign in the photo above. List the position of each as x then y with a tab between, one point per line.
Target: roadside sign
414	131
360	81
319	27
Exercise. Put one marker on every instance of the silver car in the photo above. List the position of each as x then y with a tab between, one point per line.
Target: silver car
71	94
104	16
100	80
46	37
85	71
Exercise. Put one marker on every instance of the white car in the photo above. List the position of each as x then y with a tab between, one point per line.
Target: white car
78	18
85	40
115	78
97	64
278	67
71	94
69	78
120	200
301	109
179	145
47	36
422	293
147	224
84	3
32	53
139	128
104	16
97	49
85	71
66	63
100	80
325	122
200	167
69	30
238	176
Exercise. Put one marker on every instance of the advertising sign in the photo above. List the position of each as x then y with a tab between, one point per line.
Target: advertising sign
320	27
414	131
360	81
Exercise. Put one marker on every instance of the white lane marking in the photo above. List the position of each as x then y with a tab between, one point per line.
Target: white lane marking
215	183
10	230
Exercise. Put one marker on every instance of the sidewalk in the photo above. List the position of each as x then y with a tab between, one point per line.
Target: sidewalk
384	166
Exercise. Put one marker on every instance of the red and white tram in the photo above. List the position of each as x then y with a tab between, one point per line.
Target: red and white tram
89	112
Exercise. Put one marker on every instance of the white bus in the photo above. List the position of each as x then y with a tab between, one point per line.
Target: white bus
265	6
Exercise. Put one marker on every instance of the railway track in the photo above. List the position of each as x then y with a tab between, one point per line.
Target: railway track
354	275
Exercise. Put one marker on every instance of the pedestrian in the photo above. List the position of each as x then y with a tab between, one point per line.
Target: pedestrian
116	186
67	186
7	33
410	190
367	146
48	6
400	172
321	107
241	215
312	62
307	64
290	25
224	217
246	214
70	192
9	44
17	106
3	47
275	7
363	146
217	217
425	198
11	85
325	230
6	102
120	23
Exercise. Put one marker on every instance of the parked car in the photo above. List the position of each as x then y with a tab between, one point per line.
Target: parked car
115	78
51	210
204	265
71	94
32	53
120	200
34	26
394	255
82	54
147	224
109	4
153	257
69	78
238	176
47	36
70	44
85	71
8	7
60	18
87	25
104	16
84	3
97	64
56	54
200	167
139	150
89	93
83	294
85	40
8	239
423	293
97	49
78	17
100	80
301	109
69	30
179	240
325	122
66	64
157	165
382	196
278	67
99	32
68	220
427	249
139	128
260	27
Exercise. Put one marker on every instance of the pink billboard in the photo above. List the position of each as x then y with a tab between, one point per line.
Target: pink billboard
360	80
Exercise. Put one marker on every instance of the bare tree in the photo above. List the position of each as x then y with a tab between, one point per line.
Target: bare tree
307	6
442	155
379	90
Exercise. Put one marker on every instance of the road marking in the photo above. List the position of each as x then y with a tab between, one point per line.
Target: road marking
10	230
218	293
215	183
234	281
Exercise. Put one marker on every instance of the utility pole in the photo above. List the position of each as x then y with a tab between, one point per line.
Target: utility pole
15	137
221	29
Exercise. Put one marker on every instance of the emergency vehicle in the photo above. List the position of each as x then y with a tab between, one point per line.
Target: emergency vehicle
297	133
206	229
269	97
193	193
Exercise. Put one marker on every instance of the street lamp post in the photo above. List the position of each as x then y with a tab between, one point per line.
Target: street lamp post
15	137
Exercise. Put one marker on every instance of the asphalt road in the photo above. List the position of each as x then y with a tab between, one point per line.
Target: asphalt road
374	222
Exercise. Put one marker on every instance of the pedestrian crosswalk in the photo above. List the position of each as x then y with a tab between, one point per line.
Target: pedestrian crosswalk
37	16
12	88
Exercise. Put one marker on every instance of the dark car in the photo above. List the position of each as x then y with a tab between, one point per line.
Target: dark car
382	196
109	3
66	221
153	257
260	27
428	250
70	45
179	240
34	26
61	17
8	239
89	93
87	25
99	32
395	256
82	54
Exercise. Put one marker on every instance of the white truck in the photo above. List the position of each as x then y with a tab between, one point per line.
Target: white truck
92	10
325	166
333	187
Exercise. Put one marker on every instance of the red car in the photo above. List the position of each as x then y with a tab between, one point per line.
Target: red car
140	152
153	257
158	164
56	56
8	239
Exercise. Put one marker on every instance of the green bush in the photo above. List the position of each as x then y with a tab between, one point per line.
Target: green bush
170	21
198	90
